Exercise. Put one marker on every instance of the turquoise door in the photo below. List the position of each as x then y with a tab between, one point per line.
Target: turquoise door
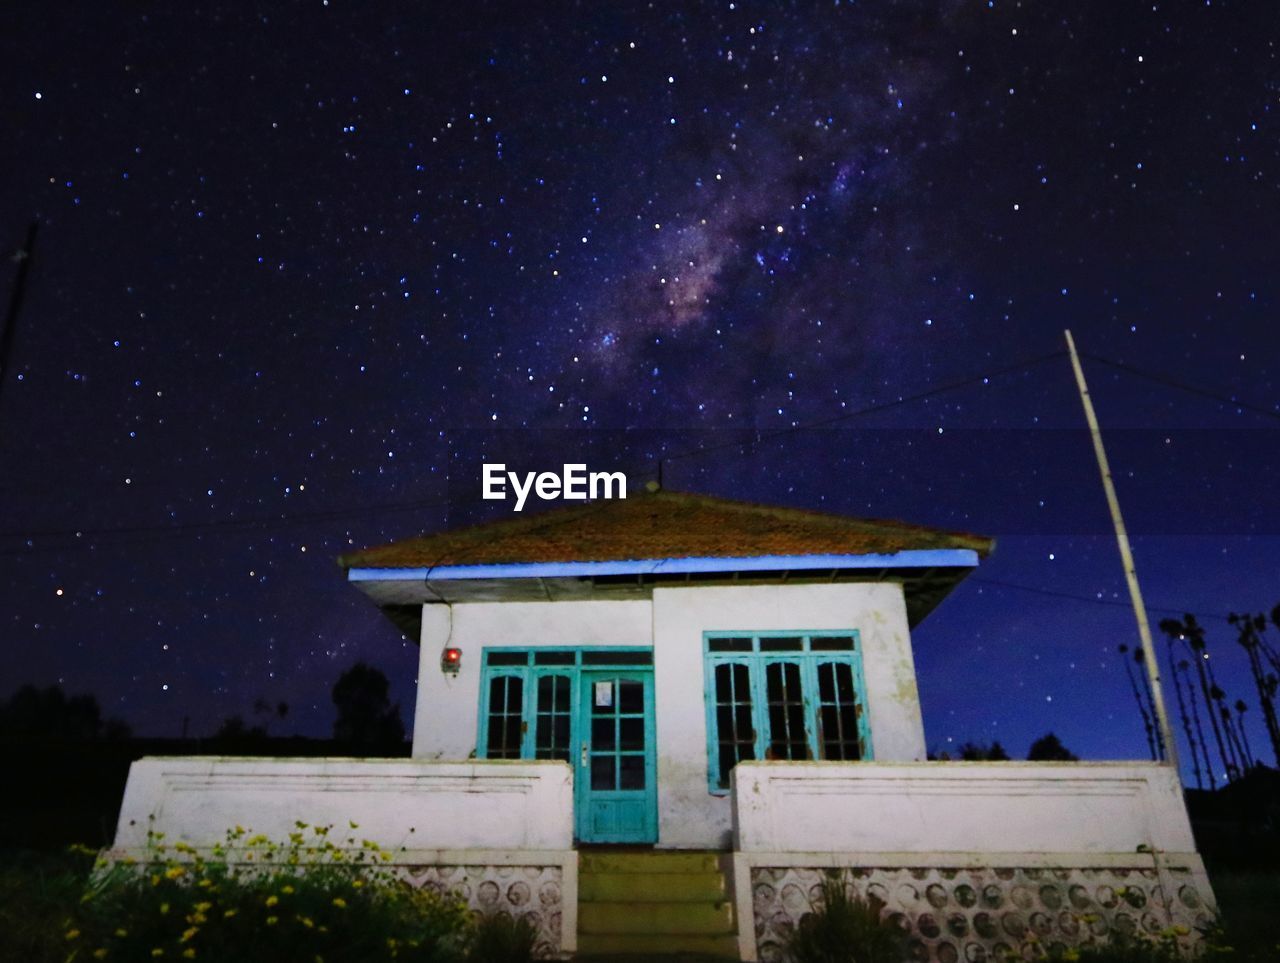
615	794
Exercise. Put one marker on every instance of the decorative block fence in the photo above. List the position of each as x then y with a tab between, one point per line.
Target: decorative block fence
973	860
497	833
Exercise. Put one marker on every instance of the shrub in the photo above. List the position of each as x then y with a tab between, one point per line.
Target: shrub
845	928
256	900
38	894
501	939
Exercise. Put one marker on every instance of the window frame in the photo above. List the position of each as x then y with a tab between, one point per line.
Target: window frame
530	672
756	660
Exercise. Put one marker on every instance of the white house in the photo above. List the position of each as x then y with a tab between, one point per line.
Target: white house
731	687
654	643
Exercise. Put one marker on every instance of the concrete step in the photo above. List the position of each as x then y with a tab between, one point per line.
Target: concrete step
650	946
705	887
649	862
656	918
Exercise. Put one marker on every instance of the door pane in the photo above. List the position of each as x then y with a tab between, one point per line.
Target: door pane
631	773
602	735
785	698
630	696
602	772
631	733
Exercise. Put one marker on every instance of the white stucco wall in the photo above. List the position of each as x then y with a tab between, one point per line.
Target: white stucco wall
396	802
446	718
673	622
689	815
960	807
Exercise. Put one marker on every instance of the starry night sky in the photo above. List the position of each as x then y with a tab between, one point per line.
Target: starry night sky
302	267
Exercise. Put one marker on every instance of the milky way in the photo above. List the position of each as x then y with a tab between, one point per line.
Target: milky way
300	270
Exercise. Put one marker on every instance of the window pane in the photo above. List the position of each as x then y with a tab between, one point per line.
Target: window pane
617	658
508	658
729	645
554	658
631	774
831	643
782	644
786	711
506	709
735	736
551	736
838	712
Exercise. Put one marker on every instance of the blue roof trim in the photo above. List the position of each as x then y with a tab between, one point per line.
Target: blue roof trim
916	558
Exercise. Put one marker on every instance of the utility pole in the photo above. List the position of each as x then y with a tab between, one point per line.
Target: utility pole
23	257
1130	573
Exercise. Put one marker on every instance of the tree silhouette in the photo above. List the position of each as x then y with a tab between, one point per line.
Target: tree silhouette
1192	633
1049	748
1265	680
33	713
981	752
1145	706
367	721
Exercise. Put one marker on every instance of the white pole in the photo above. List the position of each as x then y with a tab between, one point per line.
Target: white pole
1126	556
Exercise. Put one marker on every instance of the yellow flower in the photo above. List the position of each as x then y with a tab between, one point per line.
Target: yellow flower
122	932
229	913
205	883
203	907
189	953
188	933
287	890
155	879
339	902
272	920
358	884
157	952
164	908
272	900
72	934
173	872
99	954
307	922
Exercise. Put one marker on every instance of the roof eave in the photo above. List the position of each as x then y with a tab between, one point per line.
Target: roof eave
911	558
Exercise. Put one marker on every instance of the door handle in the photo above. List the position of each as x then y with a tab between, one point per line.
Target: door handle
584	755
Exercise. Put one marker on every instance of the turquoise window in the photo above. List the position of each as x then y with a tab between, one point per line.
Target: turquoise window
783	695
528	698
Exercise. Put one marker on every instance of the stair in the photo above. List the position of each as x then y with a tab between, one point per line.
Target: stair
654	903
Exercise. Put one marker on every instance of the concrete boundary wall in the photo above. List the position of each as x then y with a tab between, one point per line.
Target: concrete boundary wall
974	861
497	833
953	807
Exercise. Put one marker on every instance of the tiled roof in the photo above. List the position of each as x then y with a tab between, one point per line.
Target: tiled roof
660	525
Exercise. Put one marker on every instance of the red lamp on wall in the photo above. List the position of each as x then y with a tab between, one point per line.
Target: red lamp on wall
451	661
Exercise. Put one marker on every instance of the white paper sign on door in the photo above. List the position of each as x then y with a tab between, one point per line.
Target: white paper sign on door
604	694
